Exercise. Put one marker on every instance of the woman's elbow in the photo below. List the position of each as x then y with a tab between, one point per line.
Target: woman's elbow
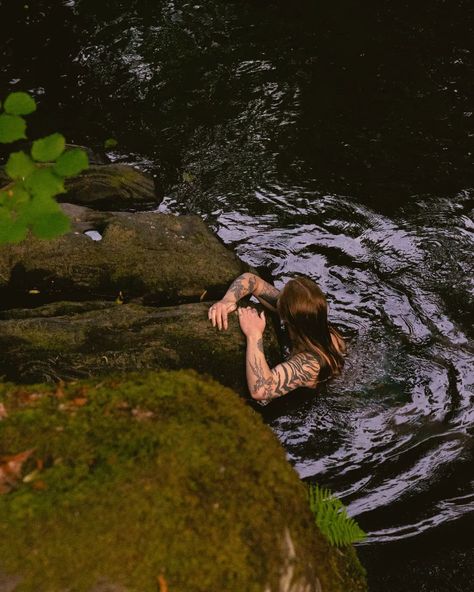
262	394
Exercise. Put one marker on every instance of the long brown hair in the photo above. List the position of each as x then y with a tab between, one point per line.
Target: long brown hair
303	307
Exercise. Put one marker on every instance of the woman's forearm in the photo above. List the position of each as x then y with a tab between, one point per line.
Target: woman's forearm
259	376
242	286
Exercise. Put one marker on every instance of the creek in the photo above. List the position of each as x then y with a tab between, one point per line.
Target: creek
331	141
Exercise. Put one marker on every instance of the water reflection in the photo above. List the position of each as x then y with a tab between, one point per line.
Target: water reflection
397	424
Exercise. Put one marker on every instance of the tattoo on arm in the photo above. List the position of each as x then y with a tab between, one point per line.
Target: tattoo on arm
269	293
242	286
260	345
301	370
266	384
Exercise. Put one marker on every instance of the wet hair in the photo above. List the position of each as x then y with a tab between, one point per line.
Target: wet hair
302	306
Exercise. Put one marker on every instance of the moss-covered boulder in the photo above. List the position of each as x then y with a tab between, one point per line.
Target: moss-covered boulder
162	481
112	187
160	258
66	340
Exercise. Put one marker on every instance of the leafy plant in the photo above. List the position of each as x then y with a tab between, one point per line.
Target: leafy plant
27	201
331	517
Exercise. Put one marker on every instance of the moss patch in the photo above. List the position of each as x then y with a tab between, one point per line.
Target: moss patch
162	474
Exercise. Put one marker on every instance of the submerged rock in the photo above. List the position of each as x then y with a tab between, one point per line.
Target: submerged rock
160	258
112	187
66	340
157	481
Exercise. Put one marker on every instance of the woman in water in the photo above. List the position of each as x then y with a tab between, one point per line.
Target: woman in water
317	351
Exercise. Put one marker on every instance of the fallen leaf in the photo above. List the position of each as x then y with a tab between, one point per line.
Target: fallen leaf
59	394
40	485
10	469
34	291
162	583
3	411
79	401
119	299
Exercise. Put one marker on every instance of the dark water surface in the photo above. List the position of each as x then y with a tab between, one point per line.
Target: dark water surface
334	141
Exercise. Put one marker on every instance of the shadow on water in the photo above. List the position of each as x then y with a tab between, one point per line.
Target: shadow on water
330	140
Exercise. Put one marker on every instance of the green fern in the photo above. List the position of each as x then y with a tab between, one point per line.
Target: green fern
331	517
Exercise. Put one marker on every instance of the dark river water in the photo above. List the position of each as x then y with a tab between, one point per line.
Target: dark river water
329	139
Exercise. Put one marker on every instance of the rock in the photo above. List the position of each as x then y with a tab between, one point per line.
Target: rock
84	219
160	258
152	482
66	340
112	187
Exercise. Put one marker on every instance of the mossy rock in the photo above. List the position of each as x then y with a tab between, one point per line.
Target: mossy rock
65	340
160	258
112	187
155	481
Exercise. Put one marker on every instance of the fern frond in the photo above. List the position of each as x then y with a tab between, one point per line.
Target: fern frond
331	517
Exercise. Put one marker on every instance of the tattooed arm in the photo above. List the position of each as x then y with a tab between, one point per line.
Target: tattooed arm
265	383
245	284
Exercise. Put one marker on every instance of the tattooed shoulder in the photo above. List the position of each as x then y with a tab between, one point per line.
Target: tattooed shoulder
301	370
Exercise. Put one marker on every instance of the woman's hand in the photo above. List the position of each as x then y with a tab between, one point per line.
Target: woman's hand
251	322
218	313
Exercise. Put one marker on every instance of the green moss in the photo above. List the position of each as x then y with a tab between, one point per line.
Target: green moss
163	473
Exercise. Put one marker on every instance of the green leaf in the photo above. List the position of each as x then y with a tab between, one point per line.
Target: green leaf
12	229
19	165
40	205
331	517
51	225
44	183
48	149
71	163
19	103
12	128
45	217
110	143
14	198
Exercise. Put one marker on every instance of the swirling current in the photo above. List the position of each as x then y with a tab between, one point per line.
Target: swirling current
332	141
